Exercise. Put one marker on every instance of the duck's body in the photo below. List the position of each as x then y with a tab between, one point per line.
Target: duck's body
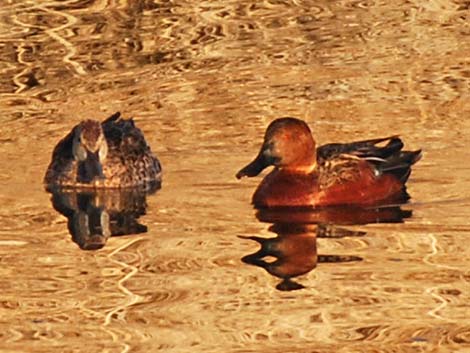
111	154
358	173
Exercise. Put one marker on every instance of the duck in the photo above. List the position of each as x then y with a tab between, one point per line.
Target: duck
108	154
361	173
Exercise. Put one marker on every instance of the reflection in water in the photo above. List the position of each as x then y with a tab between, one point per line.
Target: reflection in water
95	215
352	69
335	215
295	248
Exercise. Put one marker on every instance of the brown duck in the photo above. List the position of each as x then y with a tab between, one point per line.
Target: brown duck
357	173
110	154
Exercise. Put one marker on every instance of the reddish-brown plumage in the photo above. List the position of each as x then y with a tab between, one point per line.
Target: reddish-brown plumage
360	173
281	188
367	189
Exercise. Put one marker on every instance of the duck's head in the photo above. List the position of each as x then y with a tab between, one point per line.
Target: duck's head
288	145
90	150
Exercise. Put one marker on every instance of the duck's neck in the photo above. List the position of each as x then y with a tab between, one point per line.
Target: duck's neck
299	169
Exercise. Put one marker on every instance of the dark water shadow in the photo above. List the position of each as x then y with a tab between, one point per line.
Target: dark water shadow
95	215
293	252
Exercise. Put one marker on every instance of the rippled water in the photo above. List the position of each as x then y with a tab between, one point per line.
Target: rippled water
203	80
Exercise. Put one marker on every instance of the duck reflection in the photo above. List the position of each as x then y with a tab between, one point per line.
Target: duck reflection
294	251
96	214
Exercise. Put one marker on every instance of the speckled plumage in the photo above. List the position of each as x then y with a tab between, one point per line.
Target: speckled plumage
129	161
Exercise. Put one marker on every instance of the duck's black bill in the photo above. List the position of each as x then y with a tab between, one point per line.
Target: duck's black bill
262	161
90	168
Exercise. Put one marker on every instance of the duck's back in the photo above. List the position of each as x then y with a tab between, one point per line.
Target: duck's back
363	172
130	160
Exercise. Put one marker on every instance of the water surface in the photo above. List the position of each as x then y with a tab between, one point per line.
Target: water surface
203	80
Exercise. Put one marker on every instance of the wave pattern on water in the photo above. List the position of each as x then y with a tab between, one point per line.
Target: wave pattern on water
203	80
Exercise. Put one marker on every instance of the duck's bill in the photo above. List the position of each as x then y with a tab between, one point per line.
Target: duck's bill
262	161
91	168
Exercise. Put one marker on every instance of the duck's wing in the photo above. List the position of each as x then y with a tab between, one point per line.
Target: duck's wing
351	161
122	134
374	148
341	169
112	118
63	150
61	158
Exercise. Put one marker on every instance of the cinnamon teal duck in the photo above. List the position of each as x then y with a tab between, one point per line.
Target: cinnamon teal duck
110	154
359	173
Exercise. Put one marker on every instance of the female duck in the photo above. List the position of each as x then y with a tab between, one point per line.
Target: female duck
357	173
111	154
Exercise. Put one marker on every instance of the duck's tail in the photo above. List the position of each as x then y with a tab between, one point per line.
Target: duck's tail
399	164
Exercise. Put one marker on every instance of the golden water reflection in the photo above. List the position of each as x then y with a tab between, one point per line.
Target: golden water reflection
294	251
203	79
95	215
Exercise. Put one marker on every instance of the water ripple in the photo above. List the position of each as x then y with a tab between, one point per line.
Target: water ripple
203	80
